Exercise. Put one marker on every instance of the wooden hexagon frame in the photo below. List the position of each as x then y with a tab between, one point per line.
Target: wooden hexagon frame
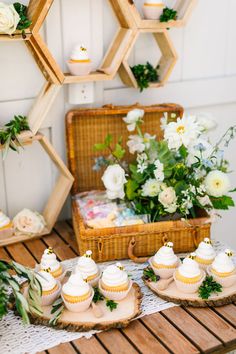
58	195
166	63
38	11
184	8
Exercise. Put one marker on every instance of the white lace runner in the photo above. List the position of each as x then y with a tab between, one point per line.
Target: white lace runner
15	338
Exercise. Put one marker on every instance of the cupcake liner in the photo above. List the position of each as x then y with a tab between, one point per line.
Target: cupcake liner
115	295
79	69
226	282
79	306
49	299
93	282
202	265
152	12
188	288
164	273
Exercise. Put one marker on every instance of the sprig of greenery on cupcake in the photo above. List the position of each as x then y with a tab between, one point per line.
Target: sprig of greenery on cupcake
10	131
168	14
144	74
57	310
209	287
111	304
149	275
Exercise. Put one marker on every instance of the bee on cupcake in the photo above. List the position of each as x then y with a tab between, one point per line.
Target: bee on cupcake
88	268
164	262
49	261
223	269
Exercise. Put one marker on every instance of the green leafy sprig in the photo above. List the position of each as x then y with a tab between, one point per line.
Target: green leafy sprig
209	287
144	74
149	275
117	152
9	133
97	295
111	304
24	22
31	305
57	310
168	14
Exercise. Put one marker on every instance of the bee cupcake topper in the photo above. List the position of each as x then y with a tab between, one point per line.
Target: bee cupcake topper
229	252
47	270
88	254
207	241
83	49
169	244
120	266
192	255
50	250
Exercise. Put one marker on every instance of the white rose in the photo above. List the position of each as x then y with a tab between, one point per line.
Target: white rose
217	183
28	222
171	208
167	197
9	18
114	180
132	118
206	122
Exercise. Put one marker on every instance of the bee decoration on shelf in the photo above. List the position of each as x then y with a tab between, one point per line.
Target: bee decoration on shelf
83	49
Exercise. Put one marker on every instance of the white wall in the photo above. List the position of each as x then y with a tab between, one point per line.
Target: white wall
204	79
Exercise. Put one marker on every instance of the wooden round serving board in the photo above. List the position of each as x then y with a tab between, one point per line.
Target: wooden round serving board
172	294
127	309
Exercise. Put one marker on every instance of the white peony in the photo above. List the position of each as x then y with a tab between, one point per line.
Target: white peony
28	222
200	149
217	183
132	118
206	122
182	132
9	18
167	197
151	188
114	181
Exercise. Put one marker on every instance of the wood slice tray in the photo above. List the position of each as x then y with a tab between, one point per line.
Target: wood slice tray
127	309
172	294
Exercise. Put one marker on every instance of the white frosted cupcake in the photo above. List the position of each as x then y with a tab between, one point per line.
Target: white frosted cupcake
152	9
77	294
223	269
88	268
205	253
79	63
188	277
115	284
51	287
6	226
164	262
49	261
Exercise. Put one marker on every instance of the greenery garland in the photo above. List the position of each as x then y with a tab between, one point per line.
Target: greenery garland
144	74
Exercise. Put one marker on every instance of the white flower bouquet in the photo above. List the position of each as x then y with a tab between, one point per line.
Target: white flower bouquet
170	178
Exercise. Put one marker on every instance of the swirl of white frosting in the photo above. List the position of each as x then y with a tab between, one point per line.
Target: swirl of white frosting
114	276
154	2
46	280
86	265
49	260
79	52
76	286
205	250
223	263
165	255
4	220
189	268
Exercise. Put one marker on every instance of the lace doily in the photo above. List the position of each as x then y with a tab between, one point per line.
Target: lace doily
15	338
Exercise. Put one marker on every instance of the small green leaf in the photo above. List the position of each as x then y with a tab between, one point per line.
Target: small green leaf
108	139
100	147
111	304
119	152
223	202
131	187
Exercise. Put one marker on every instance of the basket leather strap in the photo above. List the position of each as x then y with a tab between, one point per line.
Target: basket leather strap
100	249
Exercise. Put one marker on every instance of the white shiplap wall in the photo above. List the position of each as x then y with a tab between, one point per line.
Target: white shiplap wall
204	79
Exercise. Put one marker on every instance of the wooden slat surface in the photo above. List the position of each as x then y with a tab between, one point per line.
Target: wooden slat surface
175	330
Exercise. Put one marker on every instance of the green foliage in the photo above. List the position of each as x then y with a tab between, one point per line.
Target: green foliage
168	14
57	310
131	187
24	21
224	202
8	133
97	295
117	152
111	304
24	307
144	74
149	275
209	287
136	176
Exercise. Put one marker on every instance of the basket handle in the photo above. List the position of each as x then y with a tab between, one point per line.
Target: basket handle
131	254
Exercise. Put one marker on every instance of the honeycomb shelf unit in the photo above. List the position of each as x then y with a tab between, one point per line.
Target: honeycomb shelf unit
59	193
183	7
166	63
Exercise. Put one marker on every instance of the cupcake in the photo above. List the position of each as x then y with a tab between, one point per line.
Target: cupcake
165	261
79	63
115	283
77	294
51	287
205	253
223	269
88	268
49	261
6	226
152	9
188	277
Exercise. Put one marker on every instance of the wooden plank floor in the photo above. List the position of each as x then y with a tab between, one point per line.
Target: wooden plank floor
175	330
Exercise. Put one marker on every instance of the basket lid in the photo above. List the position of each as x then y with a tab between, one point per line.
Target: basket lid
86	127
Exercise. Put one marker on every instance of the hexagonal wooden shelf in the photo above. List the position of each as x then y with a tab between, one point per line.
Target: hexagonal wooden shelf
52	71
58	196
183	7
166	62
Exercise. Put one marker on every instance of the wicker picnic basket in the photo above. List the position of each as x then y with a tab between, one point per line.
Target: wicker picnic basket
85	127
